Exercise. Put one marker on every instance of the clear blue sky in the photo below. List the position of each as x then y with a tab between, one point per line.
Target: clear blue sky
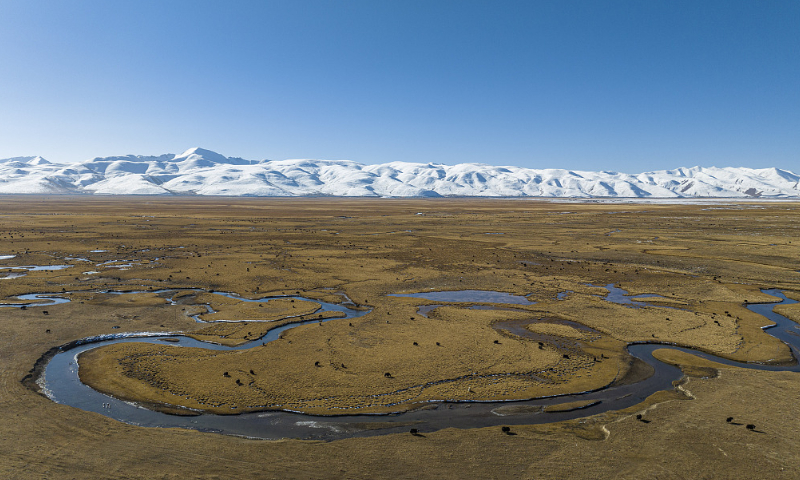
595	85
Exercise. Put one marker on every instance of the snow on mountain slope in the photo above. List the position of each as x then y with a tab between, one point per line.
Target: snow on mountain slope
130	184
202	172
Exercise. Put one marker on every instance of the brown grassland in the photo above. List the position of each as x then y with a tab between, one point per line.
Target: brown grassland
706	259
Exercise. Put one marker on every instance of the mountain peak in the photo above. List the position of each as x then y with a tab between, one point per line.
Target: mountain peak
200	152
200	157
37	160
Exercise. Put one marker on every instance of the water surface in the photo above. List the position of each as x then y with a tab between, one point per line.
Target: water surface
469	296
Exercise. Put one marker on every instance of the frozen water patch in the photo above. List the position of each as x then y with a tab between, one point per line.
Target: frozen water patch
324	425
120	264
41	268
123	266
621	297
13	275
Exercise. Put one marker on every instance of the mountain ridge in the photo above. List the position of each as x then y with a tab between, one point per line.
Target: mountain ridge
198	171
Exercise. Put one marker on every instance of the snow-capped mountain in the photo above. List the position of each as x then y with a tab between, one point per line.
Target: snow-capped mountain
203	172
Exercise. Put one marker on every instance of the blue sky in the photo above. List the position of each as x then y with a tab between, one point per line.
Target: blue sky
593	85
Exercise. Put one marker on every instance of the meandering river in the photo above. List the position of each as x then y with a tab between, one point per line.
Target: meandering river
60	383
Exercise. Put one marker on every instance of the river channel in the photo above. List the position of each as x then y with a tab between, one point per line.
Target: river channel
60	383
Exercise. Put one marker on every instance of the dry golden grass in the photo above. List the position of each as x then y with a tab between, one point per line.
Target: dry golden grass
569	406
791	312
559	330
691	365
706	261
457	355
233	309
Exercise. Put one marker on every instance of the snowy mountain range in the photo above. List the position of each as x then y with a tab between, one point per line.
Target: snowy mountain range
203	172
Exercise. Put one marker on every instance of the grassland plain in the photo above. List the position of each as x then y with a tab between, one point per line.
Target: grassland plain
707	260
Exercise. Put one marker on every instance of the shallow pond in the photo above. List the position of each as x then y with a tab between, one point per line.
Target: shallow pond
469	296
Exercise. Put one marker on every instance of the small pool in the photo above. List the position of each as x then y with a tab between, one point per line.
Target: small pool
469	296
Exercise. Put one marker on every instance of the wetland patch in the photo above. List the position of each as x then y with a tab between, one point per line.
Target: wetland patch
707	263
61	383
